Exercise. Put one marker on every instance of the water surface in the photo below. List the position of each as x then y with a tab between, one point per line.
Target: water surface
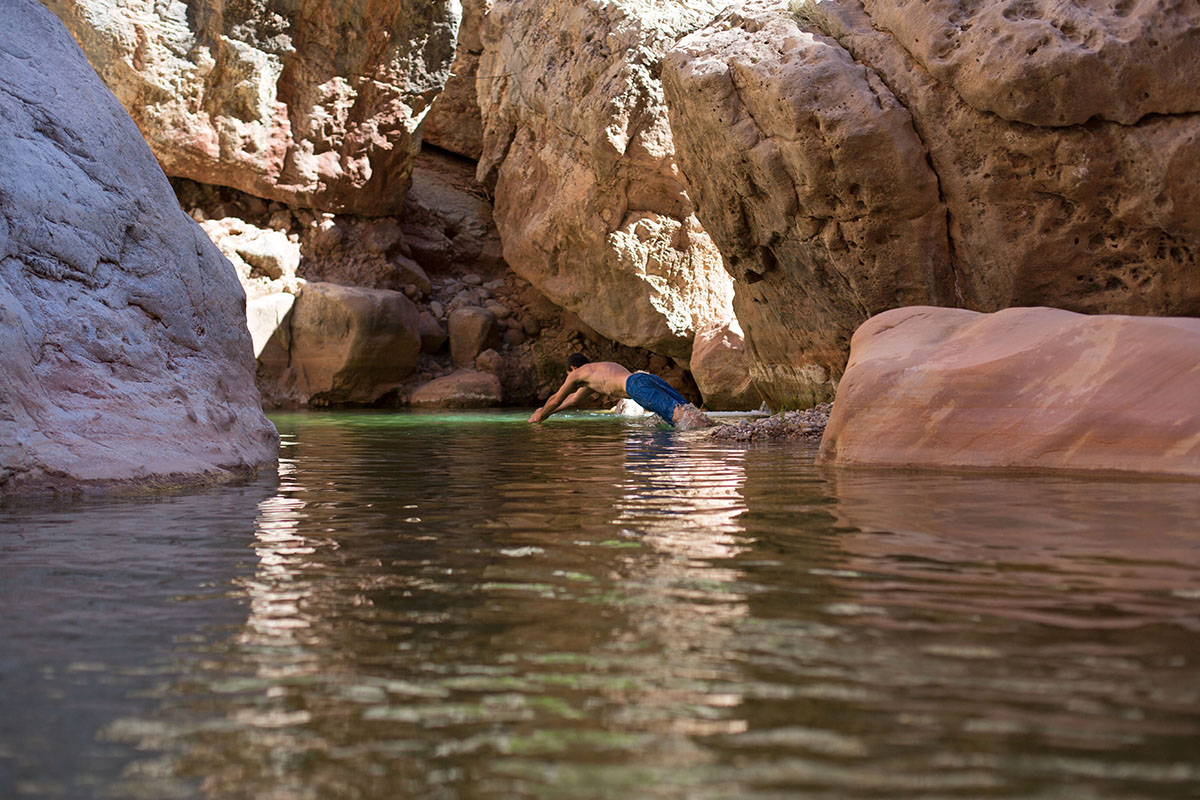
465	606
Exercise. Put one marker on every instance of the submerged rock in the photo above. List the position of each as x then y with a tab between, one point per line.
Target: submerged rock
1022	388
126	359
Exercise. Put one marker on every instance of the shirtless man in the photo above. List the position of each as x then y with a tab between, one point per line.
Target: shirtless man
608	378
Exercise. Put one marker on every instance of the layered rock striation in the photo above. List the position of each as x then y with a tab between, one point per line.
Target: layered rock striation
1023	388
126	360
312	103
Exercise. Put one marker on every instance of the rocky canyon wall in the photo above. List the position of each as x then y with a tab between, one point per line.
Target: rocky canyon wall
577	147
653	170
857	157
312	103
126	360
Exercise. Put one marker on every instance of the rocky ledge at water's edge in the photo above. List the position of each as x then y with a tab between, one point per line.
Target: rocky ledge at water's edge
807	424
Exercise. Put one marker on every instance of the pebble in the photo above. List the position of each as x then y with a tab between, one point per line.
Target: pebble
471	279
437	309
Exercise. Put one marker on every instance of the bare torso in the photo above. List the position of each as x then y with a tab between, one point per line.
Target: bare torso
603	377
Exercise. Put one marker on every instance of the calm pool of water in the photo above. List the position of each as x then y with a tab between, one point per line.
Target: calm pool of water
465	606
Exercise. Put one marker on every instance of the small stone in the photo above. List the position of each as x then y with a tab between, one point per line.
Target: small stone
471	279
489	361
437	309
513	337
499	283
531	326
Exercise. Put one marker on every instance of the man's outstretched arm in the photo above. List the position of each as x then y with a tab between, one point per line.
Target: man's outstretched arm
556	400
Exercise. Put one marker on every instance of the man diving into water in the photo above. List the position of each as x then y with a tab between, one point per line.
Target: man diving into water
608	378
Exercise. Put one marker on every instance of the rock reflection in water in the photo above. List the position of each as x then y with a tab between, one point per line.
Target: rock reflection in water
467	606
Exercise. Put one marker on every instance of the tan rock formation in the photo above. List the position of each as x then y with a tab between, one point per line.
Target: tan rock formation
454	122
812	180
1054	63
840	178
588	199
1023	388
308	102
341	345
464	388
125	363
721	369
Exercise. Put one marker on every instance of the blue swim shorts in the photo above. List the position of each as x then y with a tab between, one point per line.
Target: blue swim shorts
654	394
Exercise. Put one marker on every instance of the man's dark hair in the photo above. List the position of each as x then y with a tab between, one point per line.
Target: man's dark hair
577	360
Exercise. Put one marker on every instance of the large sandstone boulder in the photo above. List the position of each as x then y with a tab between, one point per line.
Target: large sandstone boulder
810	177
1028	388
126	362
303	101
340	345
464	388
840	178
588	199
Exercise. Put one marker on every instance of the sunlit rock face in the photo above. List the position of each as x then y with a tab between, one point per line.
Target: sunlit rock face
126	360
454	122
841	177
304	101
589	201
1117	60
721	369
809	175
1021	388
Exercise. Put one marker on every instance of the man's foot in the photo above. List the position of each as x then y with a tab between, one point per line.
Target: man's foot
687	418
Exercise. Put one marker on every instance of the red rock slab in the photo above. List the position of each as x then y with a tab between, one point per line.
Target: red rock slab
1025	388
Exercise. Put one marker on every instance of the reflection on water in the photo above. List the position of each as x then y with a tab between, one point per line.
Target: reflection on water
465	606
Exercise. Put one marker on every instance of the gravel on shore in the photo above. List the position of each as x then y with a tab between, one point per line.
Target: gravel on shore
807	424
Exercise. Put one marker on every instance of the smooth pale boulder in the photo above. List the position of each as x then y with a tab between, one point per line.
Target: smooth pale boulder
721	369
341	345
1023	388
311	103
126	363
589	201
464	388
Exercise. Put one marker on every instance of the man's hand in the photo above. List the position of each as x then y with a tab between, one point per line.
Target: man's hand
536	416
